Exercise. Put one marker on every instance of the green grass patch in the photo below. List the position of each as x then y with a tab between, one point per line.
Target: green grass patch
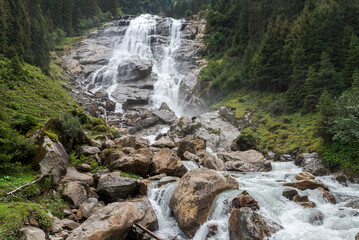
275	130
13	216
128	175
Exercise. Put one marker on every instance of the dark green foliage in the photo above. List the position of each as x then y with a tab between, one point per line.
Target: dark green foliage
14	148
71	125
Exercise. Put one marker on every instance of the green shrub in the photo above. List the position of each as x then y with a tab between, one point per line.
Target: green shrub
71	125
345	155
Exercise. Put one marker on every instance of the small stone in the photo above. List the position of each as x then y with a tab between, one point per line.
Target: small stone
304	176
70	224
83	167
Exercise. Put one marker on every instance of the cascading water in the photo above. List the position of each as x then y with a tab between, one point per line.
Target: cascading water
141	40
338	223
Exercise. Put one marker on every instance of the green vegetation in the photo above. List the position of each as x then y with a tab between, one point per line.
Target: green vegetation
13	216
297	60
274	129
128	175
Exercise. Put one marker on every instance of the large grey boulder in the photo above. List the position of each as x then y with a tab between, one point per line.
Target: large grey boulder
247	161
245	223
165	114
312	163
134	69
51	156
194	195
166	161
137	163
32	233
132	141
112	186
87	150
115	221
73	175
75	192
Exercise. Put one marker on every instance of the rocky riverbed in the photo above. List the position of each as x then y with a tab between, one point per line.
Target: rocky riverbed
189	179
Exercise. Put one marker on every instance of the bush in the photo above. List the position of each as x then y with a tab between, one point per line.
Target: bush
342	154
24	123
71	125
188	13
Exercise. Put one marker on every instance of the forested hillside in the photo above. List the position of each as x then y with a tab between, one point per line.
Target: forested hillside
306	53
31	28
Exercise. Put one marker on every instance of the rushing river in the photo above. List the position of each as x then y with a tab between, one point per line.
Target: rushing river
339	222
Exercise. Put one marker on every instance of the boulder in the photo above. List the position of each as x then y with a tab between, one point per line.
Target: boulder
132	141
57	225
357	236
74	176
186	145
134	69
112	186
75	192
167	180
190	157
312	163
137	163
304	176
247	161
115	221
200	144
87	150
32	233
194	195
166	161
245	200
70	224
165	114
89	207
163	143
83	167
51	156
244	223
212	162
306	184
303	200
328	196
289	193
342	179
229	115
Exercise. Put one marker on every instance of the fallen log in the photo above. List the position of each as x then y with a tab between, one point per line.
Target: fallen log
27	184
148	231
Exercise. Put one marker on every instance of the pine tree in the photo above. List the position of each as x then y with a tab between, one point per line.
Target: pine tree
67	17
312	91
4	14
352	60
326	109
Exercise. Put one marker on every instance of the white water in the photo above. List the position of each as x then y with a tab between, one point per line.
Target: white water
267	190
138	41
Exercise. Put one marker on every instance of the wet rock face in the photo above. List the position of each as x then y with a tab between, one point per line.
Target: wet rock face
306	184
244	223
134	69
218	133
166	161
194	195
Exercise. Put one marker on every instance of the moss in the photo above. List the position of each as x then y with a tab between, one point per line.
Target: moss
214	131
128	175
275	130
13	216
52	136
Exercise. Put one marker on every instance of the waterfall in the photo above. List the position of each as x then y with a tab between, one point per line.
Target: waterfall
144	40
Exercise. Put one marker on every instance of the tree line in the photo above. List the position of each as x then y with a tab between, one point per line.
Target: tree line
29	29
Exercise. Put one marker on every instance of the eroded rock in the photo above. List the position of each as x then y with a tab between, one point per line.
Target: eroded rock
166	161
193	197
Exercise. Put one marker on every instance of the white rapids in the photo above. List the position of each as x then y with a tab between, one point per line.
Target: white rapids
137	41
266	188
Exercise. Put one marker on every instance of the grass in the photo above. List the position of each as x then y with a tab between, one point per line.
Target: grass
13	216
275	130
33	93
